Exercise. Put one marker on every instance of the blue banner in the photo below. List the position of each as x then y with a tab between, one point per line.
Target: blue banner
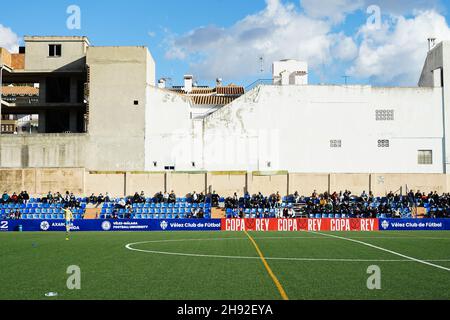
112	225
414	224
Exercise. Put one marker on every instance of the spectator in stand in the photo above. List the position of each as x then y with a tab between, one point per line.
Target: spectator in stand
135	198
159	197
241	213
100	199
26	196
128	213
195	197
48	198
296	197
121	204
201	198
166	197
107	198
364	196
172	197
279	200
291	212
215	199
5	197
285	213
142	197
14	198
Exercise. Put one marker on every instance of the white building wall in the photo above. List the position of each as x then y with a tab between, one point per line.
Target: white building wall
169	132
291	127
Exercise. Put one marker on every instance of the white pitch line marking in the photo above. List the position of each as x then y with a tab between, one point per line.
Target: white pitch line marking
386	250
130	247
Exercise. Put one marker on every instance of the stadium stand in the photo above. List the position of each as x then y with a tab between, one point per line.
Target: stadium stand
168	206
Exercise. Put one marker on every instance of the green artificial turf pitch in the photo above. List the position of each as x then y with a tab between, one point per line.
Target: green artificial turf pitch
224	266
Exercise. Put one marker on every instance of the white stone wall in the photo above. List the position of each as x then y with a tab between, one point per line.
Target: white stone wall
291	127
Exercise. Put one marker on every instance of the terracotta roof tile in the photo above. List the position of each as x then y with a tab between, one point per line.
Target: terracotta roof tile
212	100
231	90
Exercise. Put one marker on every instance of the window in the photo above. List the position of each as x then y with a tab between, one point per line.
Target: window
425	156
169	168
335	143
383	144
136	102
384	115
54	50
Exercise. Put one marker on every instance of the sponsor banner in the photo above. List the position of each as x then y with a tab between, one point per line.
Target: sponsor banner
414	224
111	225
186	225
300	224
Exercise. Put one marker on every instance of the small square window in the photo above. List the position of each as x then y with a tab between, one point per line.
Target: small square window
425	157
54	50
384	115
335	143
136	102
383	143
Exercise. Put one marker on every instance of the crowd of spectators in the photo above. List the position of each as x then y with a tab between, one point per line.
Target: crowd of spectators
22	197
364	205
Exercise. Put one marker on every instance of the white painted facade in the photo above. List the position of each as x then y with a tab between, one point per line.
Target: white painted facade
291	128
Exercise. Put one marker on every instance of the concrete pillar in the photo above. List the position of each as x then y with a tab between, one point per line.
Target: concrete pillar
73	90
42	121
73	121
42	90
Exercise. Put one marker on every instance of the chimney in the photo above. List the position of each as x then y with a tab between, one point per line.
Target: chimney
162	83
188	83
219	82
431	43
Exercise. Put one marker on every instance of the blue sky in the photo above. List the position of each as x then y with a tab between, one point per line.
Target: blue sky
224	38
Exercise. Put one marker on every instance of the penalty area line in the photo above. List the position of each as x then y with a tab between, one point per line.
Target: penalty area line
385	250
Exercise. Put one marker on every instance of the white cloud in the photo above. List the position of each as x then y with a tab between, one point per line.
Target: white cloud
279	31
335	10
8	39
396	52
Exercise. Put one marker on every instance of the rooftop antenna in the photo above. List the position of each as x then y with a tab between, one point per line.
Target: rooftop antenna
346	79
261	64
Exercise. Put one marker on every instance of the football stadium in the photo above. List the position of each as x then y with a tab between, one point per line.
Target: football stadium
119	186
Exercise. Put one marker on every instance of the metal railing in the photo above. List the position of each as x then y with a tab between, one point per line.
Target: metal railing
259	82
